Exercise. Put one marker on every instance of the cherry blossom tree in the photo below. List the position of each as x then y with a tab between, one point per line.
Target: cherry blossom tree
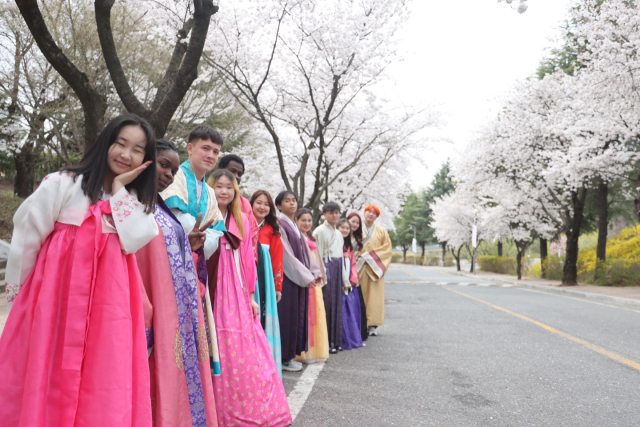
182	24
309	84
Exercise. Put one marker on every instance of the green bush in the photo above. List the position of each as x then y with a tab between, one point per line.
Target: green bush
497	264
622	273
448	261
553	266
432	261
396	257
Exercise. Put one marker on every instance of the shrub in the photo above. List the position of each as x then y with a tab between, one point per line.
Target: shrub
553	266
497	264
396	257
448	261
432	261
622	273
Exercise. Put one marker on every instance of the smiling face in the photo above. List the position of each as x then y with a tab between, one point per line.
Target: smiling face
261	208
289	205
305	222
345	229
167	165
203	156
332	217
236	169
370	216
128	150
355	223
224	192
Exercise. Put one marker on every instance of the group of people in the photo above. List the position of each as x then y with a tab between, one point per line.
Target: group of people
144	295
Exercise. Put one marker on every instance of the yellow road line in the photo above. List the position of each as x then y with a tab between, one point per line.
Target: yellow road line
597	349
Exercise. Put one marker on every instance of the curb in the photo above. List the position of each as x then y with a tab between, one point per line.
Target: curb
555	290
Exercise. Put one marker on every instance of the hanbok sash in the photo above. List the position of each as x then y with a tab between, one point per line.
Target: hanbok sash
193	341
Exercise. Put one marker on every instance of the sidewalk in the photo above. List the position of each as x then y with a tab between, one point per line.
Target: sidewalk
626	294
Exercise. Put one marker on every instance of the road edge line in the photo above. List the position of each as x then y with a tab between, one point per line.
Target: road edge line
300	393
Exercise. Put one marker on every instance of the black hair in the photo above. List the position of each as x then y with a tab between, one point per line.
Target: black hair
305	211
280	197
272	217
330	207
206	133
347	240
163	145
93	167
357	234
224	162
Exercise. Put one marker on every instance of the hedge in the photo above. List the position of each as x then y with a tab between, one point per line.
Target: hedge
497	264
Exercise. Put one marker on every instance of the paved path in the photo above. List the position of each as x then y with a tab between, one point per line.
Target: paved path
458	352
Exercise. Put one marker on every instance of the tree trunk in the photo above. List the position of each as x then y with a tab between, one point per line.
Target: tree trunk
544	253
500	248
423	249
25	161
404	254
457	257
444	252
570	269
636	202
603	226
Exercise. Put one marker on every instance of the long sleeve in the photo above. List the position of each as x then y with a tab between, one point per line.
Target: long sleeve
346	271
248	260
276	251
33	222
292	267
212	239
135	227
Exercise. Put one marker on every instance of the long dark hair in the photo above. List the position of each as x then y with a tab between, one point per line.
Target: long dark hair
357	234
304	211
347	240
271	218
93	167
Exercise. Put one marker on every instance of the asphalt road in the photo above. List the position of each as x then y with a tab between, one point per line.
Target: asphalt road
454	352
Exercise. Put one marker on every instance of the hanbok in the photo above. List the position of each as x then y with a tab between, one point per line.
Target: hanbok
249	392
318	337
299	271
270	254
351	332
330	242
73	351
372	265
177	331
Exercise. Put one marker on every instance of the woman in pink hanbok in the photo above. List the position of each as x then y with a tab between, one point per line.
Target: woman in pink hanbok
249	392
175	317
73	351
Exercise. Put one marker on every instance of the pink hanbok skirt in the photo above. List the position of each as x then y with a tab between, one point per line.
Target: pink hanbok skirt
73	351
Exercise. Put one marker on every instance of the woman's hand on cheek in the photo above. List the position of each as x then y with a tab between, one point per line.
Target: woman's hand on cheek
127	178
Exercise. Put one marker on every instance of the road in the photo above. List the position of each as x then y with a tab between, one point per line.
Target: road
456	353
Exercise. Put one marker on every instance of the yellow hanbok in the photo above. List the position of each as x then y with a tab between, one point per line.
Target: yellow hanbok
318	334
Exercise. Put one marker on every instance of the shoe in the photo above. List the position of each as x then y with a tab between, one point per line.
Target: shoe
364	344
373	331
288	366
339	348
332	351
296	364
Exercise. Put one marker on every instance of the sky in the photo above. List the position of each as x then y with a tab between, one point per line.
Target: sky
463	56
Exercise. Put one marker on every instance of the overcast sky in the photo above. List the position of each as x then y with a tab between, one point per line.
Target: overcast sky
464	55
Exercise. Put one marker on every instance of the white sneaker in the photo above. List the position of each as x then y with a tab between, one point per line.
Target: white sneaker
296	364
373	331
290	367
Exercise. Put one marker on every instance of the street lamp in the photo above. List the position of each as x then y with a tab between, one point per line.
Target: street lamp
474	240
414	244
